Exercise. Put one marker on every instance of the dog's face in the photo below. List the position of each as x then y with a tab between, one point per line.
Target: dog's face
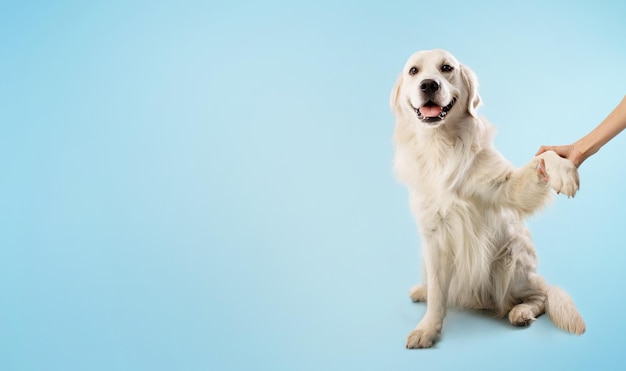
434	87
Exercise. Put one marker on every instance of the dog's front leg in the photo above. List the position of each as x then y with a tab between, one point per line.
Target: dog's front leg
438	274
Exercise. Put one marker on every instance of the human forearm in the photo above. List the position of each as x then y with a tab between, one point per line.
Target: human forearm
586	146
612	125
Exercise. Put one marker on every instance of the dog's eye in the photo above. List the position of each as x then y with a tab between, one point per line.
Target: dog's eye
413	71
446	68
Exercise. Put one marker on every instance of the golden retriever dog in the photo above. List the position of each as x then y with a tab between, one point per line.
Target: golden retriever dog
469	202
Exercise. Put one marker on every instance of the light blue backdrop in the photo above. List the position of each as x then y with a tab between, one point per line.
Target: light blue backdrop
207	186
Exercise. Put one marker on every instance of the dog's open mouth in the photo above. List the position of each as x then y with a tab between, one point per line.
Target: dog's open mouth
431	112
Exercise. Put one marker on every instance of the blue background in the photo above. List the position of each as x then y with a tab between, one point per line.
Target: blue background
207	186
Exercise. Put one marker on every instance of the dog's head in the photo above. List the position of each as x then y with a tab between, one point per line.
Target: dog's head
433	87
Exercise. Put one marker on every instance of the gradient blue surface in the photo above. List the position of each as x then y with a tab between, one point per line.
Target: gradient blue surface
207	186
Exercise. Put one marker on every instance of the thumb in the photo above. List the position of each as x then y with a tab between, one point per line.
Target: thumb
542	149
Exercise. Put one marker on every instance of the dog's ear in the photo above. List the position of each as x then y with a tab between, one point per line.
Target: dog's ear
395	96
471	83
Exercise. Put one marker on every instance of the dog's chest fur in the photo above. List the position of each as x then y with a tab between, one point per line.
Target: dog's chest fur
440	168
436	162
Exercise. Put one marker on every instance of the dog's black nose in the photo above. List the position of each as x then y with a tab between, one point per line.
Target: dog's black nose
429	86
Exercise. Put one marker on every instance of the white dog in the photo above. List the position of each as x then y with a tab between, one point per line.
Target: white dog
469	202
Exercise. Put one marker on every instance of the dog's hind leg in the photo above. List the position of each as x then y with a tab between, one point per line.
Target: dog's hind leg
524	313
532	304
418	293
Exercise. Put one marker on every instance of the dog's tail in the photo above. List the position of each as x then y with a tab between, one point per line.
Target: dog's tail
562	311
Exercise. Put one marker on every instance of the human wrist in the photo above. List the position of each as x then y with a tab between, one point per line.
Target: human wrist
582	150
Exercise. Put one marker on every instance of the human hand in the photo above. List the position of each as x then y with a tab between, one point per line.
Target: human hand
569	152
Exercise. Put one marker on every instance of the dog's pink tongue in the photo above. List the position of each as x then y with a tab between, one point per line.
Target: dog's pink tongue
430	111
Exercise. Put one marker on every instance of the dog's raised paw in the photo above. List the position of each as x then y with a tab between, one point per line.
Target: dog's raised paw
562	173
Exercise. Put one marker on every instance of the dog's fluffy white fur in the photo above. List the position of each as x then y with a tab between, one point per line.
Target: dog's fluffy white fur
469	202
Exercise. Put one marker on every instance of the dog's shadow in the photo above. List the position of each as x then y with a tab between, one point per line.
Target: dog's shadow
480	317
463	324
